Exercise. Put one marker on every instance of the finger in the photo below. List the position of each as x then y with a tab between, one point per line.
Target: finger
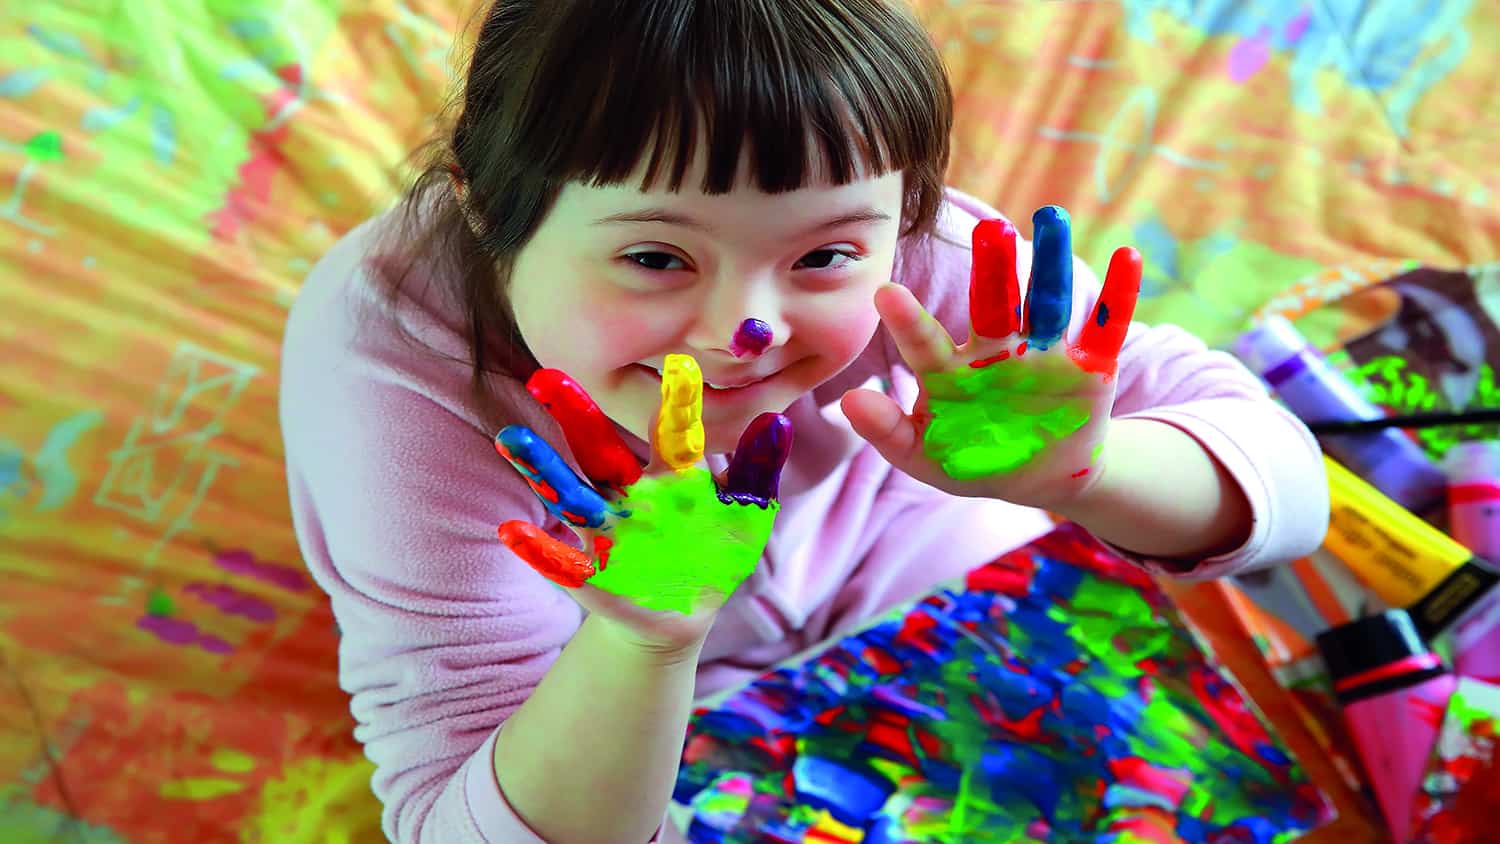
754	475
591	435
557	561
1098	347
563	493
883	424
994	288
923	342
1049	294
679	424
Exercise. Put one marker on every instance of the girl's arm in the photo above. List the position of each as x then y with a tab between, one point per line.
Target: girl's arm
592	755
1163	495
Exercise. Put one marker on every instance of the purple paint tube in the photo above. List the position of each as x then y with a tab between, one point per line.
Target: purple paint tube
1474	522
1309	385
1394	691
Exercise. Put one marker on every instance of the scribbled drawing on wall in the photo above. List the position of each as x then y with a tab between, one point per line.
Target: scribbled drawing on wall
167	463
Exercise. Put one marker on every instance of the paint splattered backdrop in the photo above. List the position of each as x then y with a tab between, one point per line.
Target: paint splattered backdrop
169	169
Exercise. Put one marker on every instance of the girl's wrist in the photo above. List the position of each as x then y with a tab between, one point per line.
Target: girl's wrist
662	649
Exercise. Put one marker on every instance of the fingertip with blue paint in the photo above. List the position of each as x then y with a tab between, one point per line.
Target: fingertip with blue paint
553	482
1049	300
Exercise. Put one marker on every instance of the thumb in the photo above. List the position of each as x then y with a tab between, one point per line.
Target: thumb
882	422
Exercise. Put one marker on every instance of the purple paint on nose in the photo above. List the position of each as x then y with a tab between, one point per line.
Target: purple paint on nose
752	338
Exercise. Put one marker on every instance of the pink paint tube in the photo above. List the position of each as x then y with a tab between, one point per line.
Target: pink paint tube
1393	690
1474	521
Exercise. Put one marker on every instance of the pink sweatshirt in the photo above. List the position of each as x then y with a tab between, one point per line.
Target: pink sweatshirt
396	491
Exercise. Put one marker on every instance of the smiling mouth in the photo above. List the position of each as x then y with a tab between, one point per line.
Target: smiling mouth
728	387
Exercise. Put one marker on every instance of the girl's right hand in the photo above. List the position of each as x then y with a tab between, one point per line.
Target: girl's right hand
663	549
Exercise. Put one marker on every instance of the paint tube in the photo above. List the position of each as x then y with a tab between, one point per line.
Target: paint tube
1404	560
1393	689
1310	595
1314	390
1474	496
1474	522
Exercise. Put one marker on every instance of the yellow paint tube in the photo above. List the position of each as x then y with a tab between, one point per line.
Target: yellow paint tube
1401	558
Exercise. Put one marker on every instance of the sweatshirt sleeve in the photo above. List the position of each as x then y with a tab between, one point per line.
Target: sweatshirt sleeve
396	491
1169	375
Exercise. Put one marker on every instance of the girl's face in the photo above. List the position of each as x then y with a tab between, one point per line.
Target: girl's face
615	279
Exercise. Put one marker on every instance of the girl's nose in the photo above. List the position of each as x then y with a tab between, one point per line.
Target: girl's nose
752	338
742	321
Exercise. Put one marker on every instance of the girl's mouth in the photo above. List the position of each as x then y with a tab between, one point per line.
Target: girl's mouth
710	388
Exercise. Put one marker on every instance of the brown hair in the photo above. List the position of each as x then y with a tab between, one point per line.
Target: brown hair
587	90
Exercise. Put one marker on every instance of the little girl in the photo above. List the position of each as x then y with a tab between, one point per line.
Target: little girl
746	195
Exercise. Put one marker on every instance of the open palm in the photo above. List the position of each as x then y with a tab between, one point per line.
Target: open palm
663	548
1016	413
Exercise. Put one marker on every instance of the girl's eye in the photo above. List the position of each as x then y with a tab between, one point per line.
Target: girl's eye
656	260
827	259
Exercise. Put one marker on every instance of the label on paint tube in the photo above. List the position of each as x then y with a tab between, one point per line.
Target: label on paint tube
1400	557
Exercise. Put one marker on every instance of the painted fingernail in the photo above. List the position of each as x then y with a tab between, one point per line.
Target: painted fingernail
679	425
752	338
562	564
755	470
592	437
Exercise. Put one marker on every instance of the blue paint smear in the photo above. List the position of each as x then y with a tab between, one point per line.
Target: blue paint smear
1399	49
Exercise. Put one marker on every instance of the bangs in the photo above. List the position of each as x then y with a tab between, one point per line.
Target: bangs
819	92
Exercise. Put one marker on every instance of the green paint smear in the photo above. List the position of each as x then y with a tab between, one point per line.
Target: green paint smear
159	603
45	146
25	822
993	420
681	544
1389	380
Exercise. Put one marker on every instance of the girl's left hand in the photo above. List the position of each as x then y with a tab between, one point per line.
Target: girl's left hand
1015	413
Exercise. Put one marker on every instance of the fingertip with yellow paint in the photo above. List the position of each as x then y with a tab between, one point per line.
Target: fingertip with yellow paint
679	425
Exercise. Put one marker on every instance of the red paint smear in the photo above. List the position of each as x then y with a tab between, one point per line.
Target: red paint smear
545	490
1140	774
1009	575
253	191
822	835
914	633
828	716
602	545
1021	350
983	362
1080	473
882	661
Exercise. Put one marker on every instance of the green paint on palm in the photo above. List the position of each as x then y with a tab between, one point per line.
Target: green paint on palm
993	420
682	543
